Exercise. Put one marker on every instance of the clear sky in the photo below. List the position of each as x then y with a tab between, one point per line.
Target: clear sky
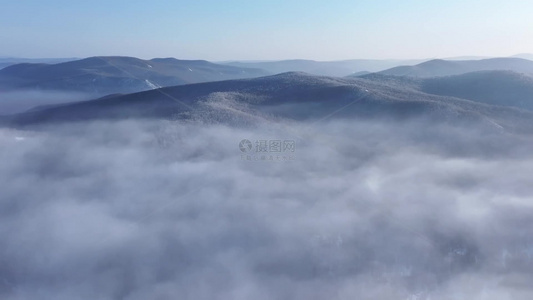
271	29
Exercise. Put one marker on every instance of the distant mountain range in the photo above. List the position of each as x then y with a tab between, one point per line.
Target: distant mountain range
497	92
524	56
107	75
100	76
8	61
325	68
293	96
438	67
353	66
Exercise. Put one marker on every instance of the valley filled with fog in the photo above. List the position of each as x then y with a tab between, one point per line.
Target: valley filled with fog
366	209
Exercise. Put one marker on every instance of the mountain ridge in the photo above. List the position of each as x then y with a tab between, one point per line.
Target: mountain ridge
293	95
102	75
440	67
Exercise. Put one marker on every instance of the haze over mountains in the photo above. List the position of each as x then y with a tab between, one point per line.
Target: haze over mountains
524	56
437	67
326	68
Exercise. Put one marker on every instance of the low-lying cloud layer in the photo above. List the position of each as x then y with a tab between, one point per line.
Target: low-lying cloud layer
13	102
166	210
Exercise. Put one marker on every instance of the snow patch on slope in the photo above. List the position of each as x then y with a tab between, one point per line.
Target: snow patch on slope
153	86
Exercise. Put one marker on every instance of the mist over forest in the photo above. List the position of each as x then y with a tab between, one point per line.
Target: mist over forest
365	209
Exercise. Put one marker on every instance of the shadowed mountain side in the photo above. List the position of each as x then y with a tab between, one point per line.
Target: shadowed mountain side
438	67
491	87
294	96
107	75
504	88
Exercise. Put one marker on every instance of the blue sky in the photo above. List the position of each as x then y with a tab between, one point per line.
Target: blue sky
275	29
